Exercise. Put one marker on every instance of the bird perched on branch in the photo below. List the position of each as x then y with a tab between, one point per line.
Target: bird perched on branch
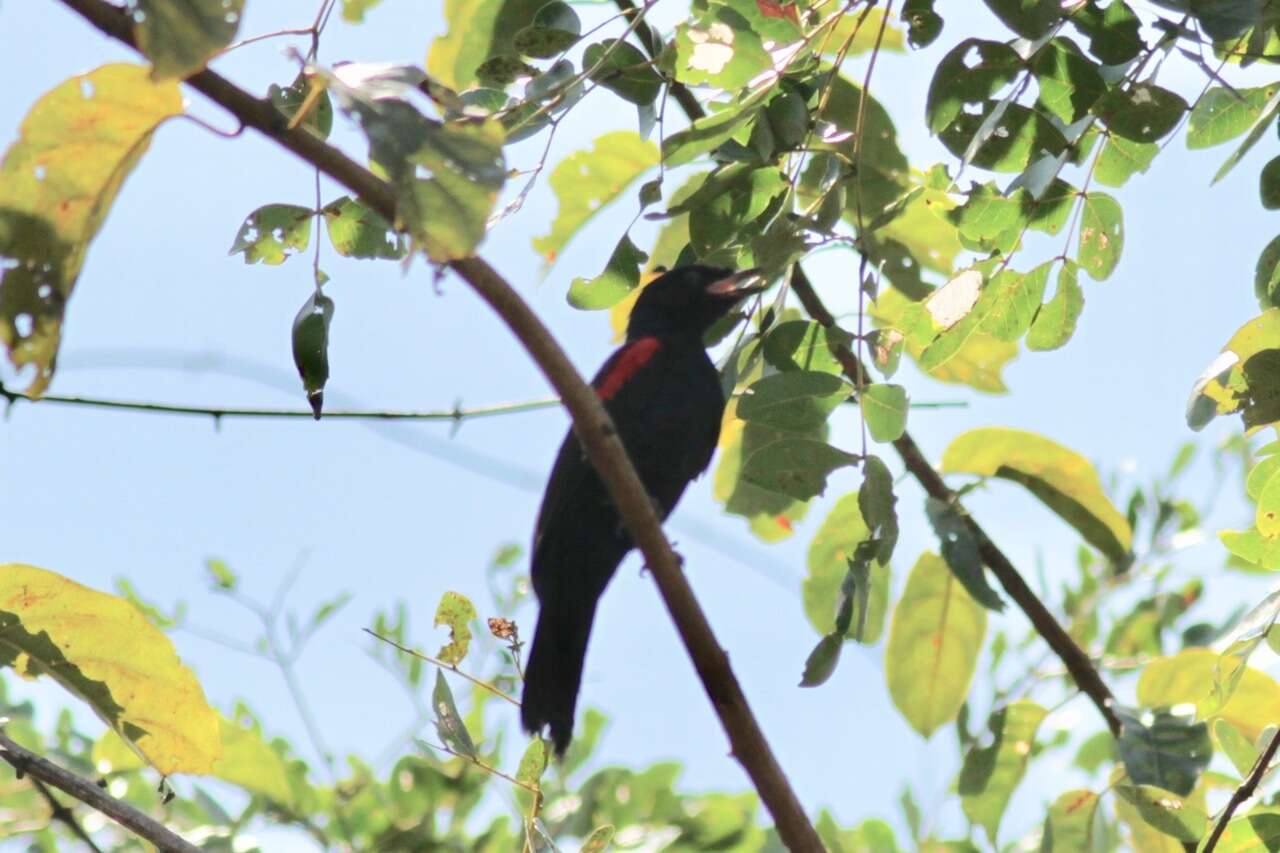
663	394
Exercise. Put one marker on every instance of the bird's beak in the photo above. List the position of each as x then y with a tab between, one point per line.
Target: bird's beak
739	284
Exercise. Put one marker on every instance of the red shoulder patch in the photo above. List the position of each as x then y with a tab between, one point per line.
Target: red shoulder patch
630	360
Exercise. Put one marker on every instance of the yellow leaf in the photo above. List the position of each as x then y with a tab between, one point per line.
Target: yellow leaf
104	650
934	641
57	182
1064	480
1187	678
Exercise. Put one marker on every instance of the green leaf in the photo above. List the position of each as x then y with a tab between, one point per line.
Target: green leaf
1101	235
1059	477
1121	159
934	642
354	10
719	48
623	70
1069	81
833	547
1166	812
76	147
972	71
822	661
357	231
1030	19
273	232
713	130
1222	114
1017	299
453	732
876	502
796	467
181	36
478	30
1163	749
1269	184
533	763
1114	32
456	611
885	409
1251	138
924	25
289	99
1002	142
1246	637
731	204
805	345
1069	827
585	182
620	276
1266	276
1242	753
220	574
310	340
960	551
554	30
795	401
1142	113
990	773
771	514
884	173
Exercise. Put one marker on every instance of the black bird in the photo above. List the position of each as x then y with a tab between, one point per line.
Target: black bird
663	394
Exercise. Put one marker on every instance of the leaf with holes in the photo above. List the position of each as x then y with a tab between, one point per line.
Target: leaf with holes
587	181
1187	679
1142	113
356	231
1069	827
181	36
1243	377
934	642
1069	81
990	773
970	73
292	98
478	31
1062	479
273	233
105	652
620	277
58	180
795	401
456	611
719	48
453	731
1002	136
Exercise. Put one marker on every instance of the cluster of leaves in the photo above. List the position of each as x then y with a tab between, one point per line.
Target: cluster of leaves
788	156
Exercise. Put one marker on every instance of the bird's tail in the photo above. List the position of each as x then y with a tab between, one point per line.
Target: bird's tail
554	672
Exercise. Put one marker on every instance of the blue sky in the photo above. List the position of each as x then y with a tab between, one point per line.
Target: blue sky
407	512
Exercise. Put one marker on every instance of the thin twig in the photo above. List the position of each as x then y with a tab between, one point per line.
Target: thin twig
27	763
64	814
218	412
591	422
487	768
444	666
1244	792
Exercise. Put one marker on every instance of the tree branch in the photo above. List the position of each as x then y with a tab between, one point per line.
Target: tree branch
591	422
1244	792
27	763
1078	664
218	413
64	814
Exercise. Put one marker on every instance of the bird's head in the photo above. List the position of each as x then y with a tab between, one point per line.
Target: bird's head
689	299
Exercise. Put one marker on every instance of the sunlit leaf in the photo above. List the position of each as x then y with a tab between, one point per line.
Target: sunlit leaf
934	642
885	409
1063	479
1242	378
456	611
1187	678
106	653
1222	114
1055	322
356	231
1165	811
771	514
1069	826
478	30
1113	32
833	546
273	232
805	345
1101	235
303	93
991	772
1241	751
76	147
587	181
180	36
1069	81
719	48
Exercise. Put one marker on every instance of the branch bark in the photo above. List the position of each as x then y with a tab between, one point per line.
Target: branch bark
1077	662
592	423
27	763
